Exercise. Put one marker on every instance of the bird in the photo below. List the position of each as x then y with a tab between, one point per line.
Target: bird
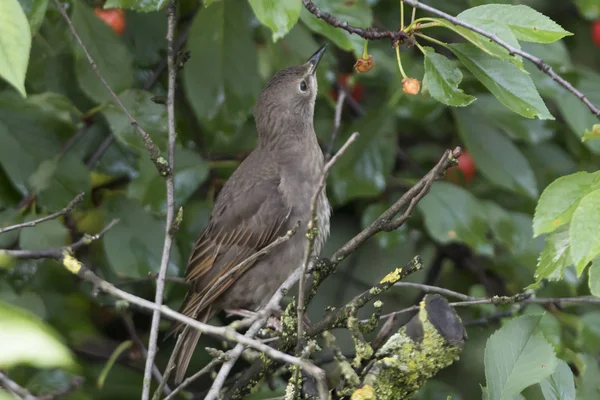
265	197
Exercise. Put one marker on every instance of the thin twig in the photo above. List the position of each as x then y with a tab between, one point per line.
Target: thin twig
435	289
312	232
336	122
15	388
386	222
368	33
565	301
67	210
545	68
207	368
170	219
160	163
234	354
57	252
138	342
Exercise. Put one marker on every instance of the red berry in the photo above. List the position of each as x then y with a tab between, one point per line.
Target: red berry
356	90
466	166
596	32
114	17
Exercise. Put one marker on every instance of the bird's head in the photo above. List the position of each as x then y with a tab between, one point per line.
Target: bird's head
287	103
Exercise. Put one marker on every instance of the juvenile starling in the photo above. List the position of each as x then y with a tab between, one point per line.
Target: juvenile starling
266	196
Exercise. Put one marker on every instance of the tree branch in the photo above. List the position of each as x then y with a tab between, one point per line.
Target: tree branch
159	162
67	210
368	33
313	231
170	223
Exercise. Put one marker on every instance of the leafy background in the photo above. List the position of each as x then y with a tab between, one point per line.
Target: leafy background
476	235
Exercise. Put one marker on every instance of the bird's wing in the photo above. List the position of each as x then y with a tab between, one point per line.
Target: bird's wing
246	218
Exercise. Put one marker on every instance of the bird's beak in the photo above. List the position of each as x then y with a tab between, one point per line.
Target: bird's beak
315	58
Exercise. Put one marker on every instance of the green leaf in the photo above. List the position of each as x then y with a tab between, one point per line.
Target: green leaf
35	11
15	43
441	79
483	43
452	214
134	246
47	235
560	385
517	356
555	257
509	84
279	15
498	159
222	75
28	136
585	242
58	180
516	127
363	169
576	114
587	382
146	38
356	13
526	23
594	277
108	52
589	334
27	340
150	116
593	134
137	5
590	9
149	187
560	199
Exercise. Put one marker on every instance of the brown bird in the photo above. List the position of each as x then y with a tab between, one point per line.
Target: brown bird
266	196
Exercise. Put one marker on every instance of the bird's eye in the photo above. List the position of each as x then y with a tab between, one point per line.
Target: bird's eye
303	86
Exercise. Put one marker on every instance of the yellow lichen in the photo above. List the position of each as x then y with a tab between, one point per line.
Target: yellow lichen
392	277
364	393
71	263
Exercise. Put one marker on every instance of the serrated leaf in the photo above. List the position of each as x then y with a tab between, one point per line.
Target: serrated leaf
137	5
27	340
585	242
484	44
560	199
133	247
35	11
526	23
513	87
517	356
442	78
555	257
15	44
108	52
150	116
221	78
560	385
279	15
356	13
498	159
149	187
452	214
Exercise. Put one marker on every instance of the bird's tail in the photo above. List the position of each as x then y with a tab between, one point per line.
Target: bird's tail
184	348
188	339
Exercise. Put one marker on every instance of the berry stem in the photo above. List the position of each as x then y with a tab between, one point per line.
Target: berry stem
400	62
